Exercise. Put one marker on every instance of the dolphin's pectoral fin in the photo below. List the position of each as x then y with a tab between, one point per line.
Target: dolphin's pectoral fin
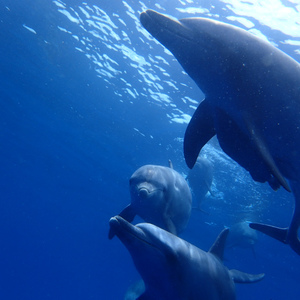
277	233
266	156
128	214
170	226
168	223
241	277
219	245
199	131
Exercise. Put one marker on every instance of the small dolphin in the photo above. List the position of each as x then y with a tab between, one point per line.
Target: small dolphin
241	235
252	102
161	196
174	269
200	180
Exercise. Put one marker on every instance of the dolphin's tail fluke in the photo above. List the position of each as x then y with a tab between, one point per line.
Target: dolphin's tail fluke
242	277
285	235
291	234
277	233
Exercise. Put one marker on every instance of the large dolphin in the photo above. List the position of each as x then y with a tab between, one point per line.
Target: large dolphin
161	196
252	102
174	269
200	180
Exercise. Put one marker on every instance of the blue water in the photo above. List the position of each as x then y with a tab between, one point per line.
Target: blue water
87	97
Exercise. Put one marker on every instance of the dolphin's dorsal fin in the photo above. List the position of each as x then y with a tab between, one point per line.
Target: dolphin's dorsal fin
199	131
241	277
218	247
170	164
266	155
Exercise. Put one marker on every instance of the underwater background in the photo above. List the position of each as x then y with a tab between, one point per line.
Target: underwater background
87	97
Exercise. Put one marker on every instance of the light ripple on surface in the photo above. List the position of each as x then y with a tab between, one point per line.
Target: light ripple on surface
272	13
193	10
107	40
69	16
29	28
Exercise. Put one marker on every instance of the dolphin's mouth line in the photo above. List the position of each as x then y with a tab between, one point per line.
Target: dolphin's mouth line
135	235
172	32
177	34
144	241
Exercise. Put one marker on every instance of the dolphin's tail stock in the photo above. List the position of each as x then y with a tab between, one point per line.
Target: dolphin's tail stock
289	235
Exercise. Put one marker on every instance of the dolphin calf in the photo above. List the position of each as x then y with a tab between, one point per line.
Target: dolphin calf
200	180
161	196
241	235
173	269
252	102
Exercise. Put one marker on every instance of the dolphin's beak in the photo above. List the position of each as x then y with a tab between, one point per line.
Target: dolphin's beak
123	229
164	28
138	239
116	224
151	18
